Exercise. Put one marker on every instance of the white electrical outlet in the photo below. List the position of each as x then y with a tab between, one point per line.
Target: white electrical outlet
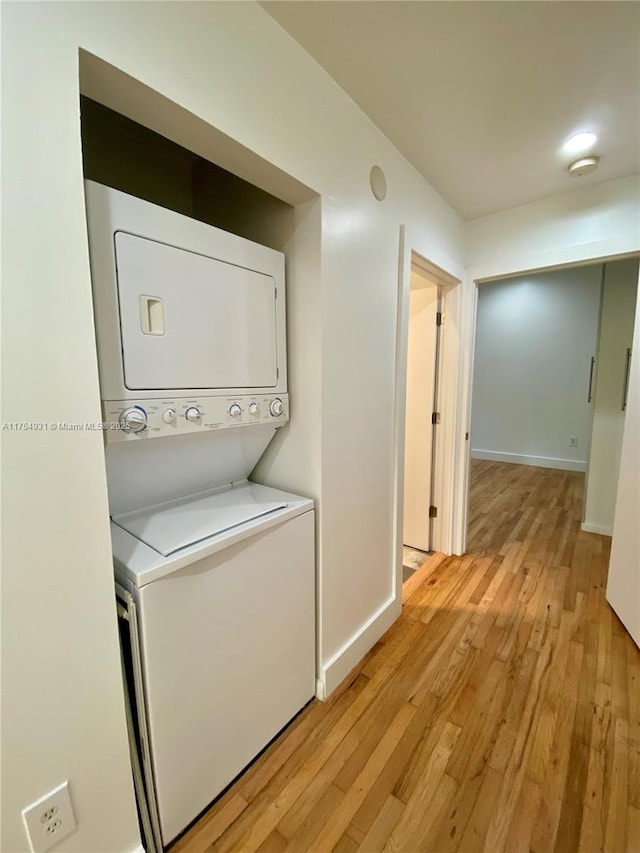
573	440
49	819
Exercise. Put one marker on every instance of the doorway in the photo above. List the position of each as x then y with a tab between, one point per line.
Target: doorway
551	365
420	418
426	415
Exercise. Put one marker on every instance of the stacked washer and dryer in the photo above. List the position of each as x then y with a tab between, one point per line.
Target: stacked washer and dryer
214	573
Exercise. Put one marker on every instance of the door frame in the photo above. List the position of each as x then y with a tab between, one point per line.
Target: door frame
417	248
602	252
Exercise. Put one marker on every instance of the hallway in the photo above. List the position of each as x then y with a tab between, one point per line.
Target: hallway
500	713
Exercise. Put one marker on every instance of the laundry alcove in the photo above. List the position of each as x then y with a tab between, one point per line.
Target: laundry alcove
139	141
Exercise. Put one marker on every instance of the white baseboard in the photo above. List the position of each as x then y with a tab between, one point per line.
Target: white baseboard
537	461
602	529
139	849
341	664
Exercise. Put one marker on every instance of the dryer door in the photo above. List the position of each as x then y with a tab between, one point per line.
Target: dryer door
193	322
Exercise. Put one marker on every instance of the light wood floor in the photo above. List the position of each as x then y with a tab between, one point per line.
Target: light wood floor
500	713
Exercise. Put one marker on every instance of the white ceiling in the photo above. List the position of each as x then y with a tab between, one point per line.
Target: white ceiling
480	96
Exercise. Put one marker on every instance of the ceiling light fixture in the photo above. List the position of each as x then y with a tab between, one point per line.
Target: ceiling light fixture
580	142
583	166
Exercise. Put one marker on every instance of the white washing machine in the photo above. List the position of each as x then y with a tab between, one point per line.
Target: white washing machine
214	573
222	587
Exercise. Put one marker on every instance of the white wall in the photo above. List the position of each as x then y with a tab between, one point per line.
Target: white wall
535	337
586	222
616	335
230	65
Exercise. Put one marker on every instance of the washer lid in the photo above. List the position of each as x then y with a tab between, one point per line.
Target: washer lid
169	527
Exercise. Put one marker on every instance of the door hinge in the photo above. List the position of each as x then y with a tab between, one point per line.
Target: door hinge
440	318
433	512
435	418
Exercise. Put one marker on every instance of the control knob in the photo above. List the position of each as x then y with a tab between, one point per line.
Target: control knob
254	409
134	419
169	416
193	414
277	407
234	410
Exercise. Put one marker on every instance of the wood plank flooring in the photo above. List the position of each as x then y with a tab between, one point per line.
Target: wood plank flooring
500	713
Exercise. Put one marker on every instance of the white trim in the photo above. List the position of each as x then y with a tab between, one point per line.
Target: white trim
537	461
602	529
139	849
444	496
414	248
399	404
341	664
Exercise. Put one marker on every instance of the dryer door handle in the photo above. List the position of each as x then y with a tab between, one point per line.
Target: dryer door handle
152	315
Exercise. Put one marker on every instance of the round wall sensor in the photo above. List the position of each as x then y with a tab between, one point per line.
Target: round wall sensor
583	166
378	183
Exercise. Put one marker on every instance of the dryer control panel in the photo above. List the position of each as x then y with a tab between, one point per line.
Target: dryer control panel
132	420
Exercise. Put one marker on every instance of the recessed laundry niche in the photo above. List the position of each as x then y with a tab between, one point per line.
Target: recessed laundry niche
126	155
137	140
